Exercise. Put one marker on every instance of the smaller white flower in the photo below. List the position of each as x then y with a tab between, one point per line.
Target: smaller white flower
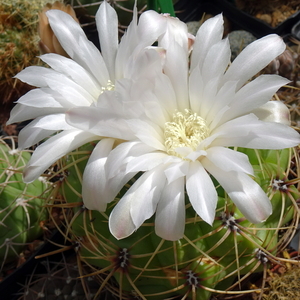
81	79
183	123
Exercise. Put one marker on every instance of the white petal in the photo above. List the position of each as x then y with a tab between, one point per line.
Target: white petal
196	87
41	128
202	192
253	95
50	151
147	63
176	170
98	189
145	194
99	122
216	60
120	222
151	26
208	34
107	26
58	82
249	132
176	31
41	97
127	44
254	58
274	111
137	37
22	112
146	162
124	153
70	90
73	70
94	177
148	132
155	111
35	75
228	160
75	43
30	136
138	204
176	59
247	195
170	213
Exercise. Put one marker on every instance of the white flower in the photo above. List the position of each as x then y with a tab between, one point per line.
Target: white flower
82	78
184	122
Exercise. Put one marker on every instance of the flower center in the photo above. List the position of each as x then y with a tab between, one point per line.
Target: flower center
109	87
186	130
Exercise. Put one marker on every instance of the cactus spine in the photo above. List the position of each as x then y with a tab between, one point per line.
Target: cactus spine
22	206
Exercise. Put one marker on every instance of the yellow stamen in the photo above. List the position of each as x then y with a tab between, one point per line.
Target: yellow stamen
186	130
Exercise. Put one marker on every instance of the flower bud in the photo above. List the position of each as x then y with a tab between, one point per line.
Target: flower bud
49	42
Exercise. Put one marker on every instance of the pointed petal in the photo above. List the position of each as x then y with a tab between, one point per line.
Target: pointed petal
54	148
35	75
42	97
73	70
124	153
176	59
21	113
176	30
58	82
217	60
208	34
247	195
148	188
41	128
202	192
249	132
146	162
170	212
228	160
75	43
196	87
221	103
94	177
138	204
254	58
253	95
98	189
151	25
107	26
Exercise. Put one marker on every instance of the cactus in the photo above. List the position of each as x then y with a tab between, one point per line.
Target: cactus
208	259
86	11
60	279
22	211
18	46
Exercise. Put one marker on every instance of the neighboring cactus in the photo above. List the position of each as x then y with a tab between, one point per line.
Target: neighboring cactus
60	280
88	8
208	259
18	47
22	206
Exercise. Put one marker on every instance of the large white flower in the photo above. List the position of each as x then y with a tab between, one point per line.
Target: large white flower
82	78
184	122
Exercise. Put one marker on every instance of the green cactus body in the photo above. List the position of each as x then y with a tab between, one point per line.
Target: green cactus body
207	258
21	205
